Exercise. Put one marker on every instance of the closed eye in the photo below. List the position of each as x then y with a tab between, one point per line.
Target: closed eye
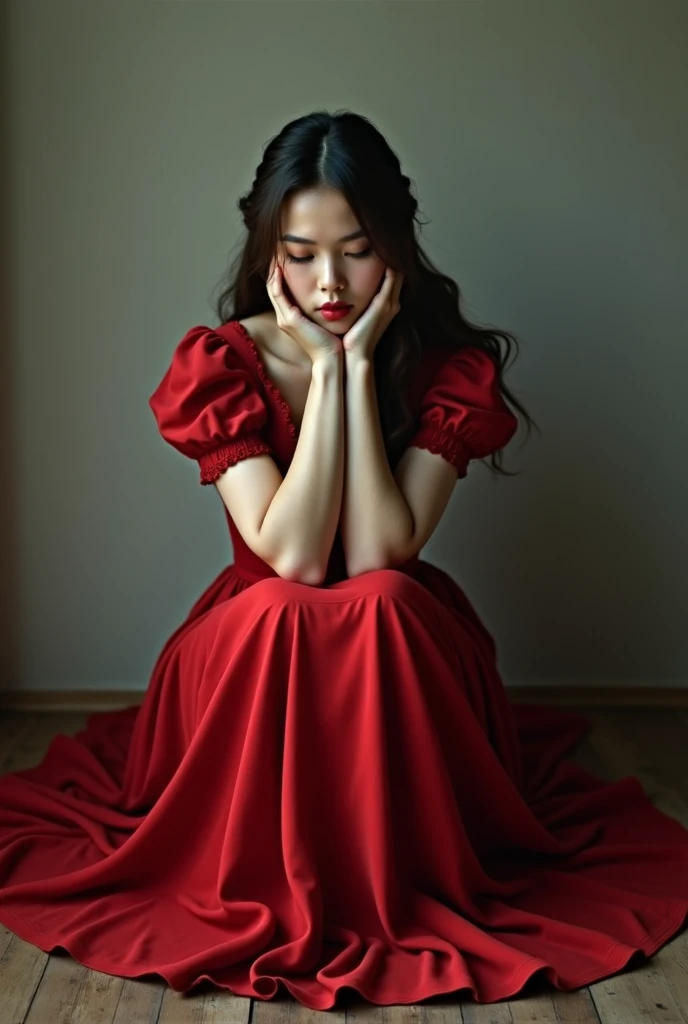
354	255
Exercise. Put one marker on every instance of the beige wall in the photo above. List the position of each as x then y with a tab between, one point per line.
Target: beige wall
548	146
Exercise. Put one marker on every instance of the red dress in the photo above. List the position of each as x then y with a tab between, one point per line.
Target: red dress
327	786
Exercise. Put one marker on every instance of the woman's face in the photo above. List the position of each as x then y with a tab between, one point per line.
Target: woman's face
326	269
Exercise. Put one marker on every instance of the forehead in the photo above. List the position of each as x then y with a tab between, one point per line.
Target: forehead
318	213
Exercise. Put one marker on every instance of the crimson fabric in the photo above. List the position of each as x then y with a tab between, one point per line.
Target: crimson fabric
327	788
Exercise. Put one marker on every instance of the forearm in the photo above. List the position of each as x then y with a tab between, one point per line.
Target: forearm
304	513
375	519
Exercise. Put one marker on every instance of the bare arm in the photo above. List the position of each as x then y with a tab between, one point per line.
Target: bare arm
385	518
301	521
376	521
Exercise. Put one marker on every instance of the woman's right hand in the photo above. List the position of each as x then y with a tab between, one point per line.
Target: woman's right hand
314	340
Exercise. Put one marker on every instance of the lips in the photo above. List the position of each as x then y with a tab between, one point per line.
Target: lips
336	305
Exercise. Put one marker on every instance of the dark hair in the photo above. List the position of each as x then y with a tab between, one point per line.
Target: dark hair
344	151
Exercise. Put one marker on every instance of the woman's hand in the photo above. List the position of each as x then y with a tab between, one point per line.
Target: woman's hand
313	339
363	335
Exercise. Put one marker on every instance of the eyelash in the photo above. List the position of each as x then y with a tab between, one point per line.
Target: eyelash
354	255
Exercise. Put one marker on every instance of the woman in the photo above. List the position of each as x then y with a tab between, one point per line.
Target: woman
326	786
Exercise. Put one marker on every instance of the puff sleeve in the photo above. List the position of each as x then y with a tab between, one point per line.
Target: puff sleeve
462	414
207	405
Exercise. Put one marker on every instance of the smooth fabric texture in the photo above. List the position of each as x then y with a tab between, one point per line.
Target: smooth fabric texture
327	788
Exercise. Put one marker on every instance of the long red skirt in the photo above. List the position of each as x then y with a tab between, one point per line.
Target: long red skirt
328	788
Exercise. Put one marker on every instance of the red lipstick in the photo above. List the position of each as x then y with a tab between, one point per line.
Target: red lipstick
335	310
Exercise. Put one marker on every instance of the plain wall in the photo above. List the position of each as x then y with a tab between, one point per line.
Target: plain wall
547	147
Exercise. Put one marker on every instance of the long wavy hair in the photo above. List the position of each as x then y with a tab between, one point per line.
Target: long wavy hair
344	151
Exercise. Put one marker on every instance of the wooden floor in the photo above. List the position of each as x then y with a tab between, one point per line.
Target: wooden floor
650	743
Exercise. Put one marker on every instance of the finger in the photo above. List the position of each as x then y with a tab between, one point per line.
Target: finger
391	284
277	293
274	289
385	284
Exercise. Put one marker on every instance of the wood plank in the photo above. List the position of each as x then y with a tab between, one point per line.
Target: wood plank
619	1001
140	1000
672	960
545	1007
357	1011
637	997
70	993
486	1013
14	728
205	1003
34	742
647	991
21	968
626	754
574	1007
663	735
285	1008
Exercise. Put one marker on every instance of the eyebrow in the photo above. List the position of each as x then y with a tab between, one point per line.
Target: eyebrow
309	241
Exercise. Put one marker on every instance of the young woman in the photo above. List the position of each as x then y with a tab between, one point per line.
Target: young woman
326	786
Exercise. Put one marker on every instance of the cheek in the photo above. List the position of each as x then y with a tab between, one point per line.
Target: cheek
295	285
371	276
290	274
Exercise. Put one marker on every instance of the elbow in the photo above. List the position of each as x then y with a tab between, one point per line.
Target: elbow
395	549
388	556
388	559
314	579
299	573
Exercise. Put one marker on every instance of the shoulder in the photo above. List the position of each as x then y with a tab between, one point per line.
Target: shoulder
440	370
207	404
470	370
205	362
261	329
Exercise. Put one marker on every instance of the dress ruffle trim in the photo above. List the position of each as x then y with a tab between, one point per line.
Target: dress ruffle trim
441	442
213	464
269	385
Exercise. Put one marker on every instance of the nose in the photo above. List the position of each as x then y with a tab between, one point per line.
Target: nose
331	275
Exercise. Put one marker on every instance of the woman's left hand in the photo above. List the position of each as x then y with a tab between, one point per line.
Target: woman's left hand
362	337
